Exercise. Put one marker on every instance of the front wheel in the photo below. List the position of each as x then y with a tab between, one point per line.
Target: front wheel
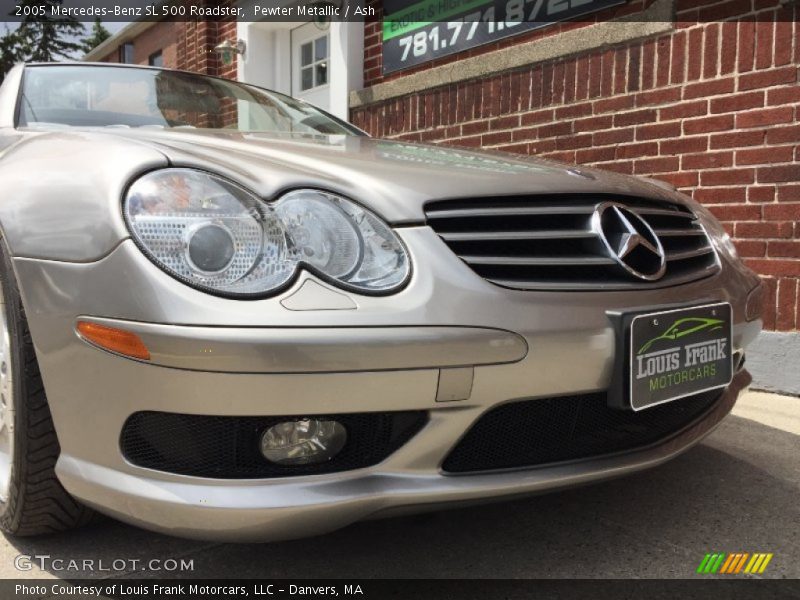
32	500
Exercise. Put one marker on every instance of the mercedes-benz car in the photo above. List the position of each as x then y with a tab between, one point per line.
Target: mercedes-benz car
229	315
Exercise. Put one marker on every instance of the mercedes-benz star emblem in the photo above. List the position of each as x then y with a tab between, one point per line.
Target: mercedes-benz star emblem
630	241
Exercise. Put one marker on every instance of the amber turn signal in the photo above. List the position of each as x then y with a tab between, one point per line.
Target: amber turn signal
114	340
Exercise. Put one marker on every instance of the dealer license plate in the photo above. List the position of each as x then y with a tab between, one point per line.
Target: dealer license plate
679	353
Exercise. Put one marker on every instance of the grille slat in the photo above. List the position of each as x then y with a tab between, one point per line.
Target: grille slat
538	260
550	242
480	236
532	433
509	211
679	232
686	254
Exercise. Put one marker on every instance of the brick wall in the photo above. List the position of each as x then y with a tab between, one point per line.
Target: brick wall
711	107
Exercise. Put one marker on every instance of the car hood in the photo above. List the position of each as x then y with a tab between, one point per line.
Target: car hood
393	178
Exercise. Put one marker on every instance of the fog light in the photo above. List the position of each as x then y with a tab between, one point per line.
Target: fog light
303	442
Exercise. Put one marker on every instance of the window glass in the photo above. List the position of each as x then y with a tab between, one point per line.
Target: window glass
98	96
314	63
306	54
156	59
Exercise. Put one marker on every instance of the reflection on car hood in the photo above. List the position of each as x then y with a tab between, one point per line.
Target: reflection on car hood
393	178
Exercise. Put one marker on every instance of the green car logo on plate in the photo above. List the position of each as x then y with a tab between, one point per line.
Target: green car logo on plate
683	327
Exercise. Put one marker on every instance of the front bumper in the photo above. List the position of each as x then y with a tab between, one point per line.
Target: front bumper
215	356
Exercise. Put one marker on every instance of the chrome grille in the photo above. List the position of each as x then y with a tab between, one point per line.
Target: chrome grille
549	243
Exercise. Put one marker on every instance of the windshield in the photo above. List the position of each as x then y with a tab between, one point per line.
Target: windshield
95	96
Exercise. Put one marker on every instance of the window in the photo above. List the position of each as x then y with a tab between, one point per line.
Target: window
126	53
156	59
314	63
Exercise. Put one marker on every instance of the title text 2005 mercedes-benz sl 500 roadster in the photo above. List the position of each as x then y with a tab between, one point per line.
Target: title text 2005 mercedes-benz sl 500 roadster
229	315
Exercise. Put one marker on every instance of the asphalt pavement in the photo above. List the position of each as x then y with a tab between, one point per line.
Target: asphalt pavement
736	492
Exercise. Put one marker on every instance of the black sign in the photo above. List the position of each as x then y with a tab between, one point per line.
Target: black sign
678	353
417	32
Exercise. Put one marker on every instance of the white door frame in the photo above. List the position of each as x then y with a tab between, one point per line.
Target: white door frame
267	59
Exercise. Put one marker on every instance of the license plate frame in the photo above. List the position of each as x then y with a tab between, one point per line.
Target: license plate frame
664	354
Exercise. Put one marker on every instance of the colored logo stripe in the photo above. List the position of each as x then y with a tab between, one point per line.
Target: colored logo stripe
731	564
758	563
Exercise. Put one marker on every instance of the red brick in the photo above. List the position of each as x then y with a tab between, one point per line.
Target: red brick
710	50
782	212
785	249
683	110
613	104
595	155
658	96
786	305
752	248
656	165
709	88
764	30
784	95
536	117
764	230
634	68
574	110
678	66
762	156
788	193
747	44
783	135
695	52
515	148
764	117
737	212
567	156
501	137
728	58
764	79
637	150
634	118
721	195
708	124
506	122
727	177
557	129
762	193
593	123
707	160
542	146
737	102
625	167
737	139
613	136
770	301
658	131
474	127
783	37
684	145
573	142
682	179
780	174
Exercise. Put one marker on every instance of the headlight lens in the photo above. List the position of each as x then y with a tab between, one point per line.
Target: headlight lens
212	234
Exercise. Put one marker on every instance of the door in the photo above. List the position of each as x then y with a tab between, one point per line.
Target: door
311	65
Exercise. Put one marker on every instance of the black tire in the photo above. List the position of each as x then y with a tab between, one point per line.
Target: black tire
36	502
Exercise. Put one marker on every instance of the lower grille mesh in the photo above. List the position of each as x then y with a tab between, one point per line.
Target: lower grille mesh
225	447
548	430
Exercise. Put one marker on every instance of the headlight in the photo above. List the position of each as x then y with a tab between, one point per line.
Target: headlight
213	234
